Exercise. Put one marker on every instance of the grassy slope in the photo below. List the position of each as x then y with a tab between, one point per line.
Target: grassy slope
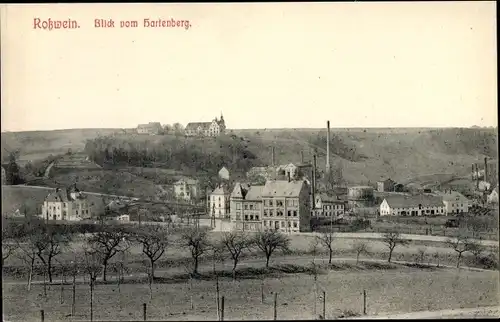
394	290
398	153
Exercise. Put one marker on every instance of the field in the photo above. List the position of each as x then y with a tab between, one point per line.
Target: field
365	155
390	288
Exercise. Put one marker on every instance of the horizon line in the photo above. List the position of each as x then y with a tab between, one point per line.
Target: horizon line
277	128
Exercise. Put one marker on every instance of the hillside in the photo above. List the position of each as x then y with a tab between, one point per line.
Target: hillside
364	154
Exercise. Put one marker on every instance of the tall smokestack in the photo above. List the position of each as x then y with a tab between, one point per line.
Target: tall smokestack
302	156
313	181
272	156
327	146
477	176
473	172
485	169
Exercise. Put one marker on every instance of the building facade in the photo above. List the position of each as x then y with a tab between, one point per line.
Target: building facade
186	189
418	205
220	200
67	204
286	206
386	185
246	207
329	206
214	128
152	128
455	202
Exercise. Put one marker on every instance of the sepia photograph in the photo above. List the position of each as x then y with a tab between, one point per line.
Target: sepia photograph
249	161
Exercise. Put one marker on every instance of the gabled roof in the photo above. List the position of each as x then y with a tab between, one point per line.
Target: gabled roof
254	193
64	195
328	198
221	190
282	188
414	201
223	169
239	191
451	195
195	125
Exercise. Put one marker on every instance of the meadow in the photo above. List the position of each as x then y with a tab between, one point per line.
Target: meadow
390	288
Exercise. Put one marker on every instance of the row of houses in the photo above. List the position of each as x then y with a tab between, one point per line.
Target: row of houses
437	203
214	128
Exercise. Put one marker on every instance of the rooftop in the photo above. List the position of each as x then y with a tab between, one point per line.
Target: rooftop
450	195
282	188
254	193
414	201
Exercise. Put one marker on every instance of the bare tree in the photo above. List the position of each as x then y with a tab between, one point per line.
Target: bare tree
360	247
268	241
393	239
421	255
154	241
326	240
108	243
93	260
8	244
197	242
235	243
28	255
49	243
460	245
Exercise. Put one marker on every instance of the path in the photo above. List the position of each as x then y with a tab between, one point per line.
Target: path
47	171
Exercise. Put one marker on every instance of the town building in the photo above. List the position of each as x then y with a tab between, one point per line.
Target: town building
246	207
152	128
214	128
386	185
67	204
416	205
186	189
493	196
224	173
329	206
286	206
220	202
455	202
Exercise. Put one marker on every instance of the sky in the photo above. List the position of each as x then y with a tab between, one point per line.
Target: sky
262	65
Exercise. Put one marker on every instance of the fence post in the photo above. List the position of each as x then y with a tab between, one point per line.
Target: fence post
364	302
42	315
222	309
324	305
144	310
262	292
275	305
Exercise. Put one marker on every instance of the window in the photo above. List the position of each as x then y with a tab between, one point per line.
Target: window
270	202
295	213
265	222
282	224
289	224
294	224
76	212
289	213
279	203
256	217
245	207
65	205
265	212
271	213
251	207
246	217
238	205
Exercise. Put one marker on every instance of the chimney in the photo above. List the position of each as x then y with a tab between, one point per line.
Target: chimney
272	156
327	146
288	176
302	156
313	181
473	172
485	169
477	176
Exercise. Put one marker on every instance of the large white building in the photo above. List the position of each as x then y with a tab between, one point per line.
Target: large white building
328	206
419	205
220	202
67	204
214	128
454	202
186	189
